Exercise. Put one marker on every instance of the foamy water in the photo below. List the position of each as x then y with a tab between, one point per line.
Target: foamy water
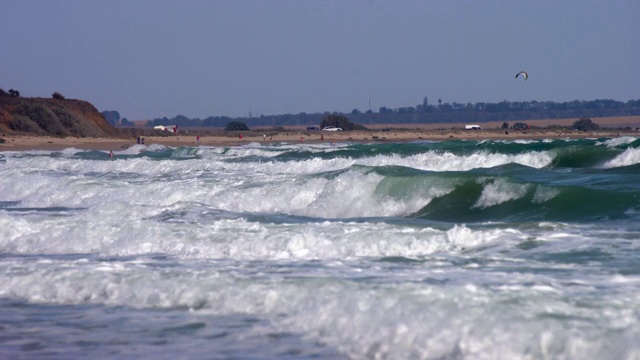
431	250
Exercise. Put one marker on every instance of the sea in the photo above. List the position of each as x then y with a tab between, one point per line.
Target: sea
454	249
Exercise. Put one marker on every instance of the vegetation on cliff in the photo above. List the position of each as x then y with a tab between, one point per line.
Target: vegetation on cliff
55	117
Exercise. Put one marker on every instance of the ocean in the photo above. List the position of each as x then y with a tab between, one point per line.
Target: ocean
419	250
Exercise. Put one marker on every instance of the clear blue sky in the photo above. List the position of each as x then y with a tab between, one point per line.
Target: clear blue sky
155	58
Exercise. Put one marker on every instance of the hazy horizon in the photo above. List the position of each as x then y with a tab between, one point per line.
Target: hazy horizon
149	59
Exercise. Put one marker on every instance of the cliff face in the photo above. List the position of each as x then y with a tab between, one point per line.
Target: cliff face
54	117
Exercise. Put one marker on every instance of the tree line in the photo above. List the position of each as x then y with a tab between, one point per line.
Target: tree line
425	113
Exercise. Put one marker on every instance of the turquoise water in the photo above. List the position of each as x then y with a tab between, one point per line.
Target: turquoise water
456	249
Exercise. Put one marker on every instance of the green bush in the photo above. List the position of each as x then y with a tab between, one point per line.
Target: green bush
341	122
42	116
24	124
75	126
585	124
236	126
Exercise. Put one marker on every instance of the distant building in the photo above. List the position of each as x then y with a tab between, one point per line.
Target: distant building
166	127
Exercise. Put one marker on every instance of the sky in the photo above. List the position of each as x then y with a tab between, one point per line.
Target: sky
155	58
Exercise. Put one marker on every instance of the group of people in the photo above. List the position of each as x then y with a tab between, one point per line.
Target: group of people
140	140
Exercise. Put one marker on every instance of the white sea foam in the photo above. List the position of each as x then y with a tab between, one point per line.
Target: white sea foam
544	194
209	234
500	191
449	162
134	149
630	156
470	317
430	160
188	230
251	187
525	141
617	141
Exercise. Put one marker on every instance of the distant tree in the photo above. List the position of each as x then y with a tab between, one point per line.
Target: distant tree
112	116
126	122
505	125
355	111
585	124
57	95
341	122
236	126
407	110
14	93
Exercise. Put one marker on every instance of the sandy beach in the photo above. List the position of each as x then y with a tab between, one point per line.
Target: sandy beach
381	133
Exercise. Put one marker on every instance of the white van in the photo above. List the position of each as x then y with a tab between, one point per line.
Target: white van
472	127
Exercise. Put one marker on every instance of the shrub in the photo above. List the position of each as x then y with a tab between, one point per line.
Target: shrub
24	124
42	116
74	125
585	124
236	126
341	122
520	126
57	95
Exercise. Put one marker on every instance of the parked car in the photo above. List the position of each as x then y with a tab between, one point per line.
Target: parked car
332	128
313	127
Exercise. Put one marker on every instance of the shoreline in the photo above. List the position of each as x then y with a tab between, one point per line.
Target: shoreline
25	143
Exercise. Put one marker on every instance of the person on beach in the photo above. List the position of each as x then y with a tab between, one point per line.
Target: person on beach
264	137
240	136
142	141
110	154
198	139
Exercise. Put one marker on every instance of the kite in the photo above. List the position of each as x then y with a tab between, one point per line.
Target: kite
524	74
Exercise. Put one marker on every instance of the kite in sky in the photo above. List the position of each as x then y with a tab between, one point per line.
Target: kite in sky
524	74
